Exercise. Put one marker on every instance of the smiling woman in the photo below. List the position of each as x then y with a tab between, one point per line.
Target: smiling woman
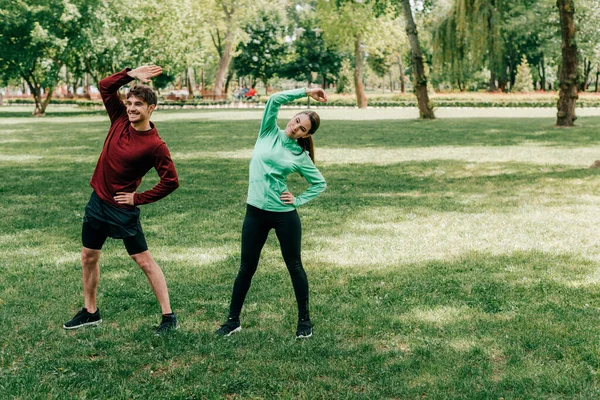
270	204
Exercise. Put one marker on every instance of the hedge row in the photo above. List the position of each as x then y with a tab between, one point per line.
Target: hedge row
550	103
79	102
350	102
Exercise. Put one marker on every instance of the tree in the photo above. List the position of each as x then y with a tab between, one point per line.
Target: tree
350	26
164	32
425	107
588	39
37	38
227	19
568	74
381	62
262	55
524	81
312	55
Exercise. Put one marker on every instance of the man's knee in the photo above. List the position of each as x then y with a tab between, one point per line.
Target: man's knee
144	261
89	257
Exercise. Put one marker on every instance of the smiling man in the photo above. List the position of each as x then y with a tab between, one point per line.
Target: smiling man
130	150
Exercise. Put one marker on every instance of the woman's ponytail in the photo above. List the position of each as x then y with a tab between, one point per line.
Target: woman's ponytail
308	145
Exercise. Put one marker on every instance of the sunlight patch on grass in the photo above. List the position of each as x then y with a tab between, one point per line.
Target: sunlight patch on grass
532	154
200	155
592	279
13	140
442	315
54	120
70	258
193	256
19	158
117	275
367	241
20	131
462	344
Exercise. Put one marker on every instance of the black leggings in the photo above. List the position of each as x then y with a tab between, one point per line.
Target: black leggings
255	230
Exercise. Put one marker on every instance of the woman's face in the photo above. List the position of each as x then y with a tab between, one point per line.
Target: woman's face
298	127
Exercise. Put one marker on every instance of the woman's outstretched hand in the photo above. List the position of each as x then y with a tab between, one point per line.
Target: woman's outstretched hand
287	198
317	94
145	72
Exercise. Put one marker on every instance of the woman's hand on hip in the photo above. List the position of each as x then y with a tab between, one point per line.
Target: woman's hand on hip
287	198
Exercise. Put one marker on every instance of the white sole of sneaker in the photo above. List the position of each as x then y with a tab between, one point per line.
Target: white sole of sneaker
82	325
236	330
304	336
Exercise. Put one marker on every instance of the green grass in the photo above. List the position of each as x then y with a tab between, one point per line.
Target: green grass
447	259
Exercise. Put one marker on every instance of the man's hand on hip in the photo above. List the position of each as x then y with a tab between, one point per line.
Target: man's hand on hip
124	198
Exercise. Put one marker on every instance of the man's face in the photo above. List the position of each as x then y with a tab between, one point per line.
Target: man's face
137	109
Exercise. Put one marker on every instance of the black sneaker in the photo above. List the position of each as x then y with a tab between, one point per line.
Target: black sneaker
231	326
304	329
83	318
169	322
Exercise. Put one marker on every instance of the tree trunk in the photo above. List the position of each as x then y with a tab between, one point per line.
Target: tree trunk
40	104
361	99
425	107
597	75
543	74
568	75
224	61
46	101
587	69
512	71
502	81
493	88
401	67
189	82
228	81
224	50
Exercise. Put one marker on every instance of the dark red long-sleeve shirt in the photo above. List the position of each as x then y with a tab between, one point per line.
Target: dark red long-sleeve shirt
128	154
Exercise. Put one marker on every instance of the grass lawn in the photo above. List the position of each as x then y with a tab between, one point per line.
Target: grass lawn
451	259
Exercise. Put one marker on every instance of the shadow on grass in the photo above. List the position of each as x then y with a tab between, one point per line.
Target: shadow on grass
213	191
456	132
468	328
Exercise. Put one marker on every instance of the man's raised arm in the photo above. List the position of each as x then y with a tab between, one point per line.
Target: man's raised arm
109	87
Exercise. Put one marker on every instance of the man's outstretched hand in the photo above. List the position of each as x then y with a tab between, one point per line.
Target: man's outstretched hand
145	72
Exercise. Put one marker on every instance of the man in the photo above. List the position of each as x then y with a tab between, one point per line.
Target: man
130	150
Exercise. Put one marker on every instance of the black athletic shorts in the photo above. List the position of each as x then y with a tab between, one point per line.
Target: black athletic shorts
102	220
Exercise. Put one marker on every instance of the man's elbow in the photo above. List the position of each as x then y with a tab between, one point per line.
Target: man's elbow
103	86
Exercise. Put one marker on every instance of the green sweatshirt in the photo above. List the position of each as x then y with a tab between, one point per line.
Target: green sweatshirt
275	156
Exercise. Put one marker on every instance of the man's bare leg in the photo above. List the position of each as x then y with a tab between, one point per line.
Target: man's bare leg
90	277
156	278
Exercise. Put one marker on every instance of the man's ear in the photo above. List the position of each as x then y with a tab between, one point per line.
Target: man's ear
151	108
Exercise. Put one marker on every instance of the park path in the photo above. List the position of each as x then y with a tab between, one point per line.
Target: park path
353	114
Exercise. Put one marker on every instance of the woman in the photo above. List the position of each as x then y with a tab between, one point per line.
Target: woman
270	205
